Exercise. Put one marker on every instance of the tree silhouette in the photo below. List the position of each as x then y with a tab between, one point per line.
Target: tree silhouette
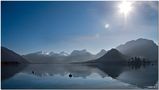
137	62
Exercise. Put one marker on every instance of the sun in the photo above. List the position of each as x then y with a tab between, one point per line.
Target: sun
125	8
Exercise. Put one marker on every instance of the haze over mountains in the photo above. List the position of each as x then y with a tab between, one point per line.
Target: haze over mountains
74	56
135	48
141	48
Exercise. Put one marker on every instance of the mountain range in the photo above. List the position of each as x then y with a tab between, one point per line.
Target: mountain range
62	57
136	48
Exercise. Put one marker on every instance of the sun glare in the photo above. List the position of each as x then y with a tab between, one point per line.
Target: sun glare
125	8
106	26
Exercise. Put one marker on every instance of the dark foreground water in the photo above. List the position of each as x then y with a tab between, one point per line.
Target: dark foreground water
77	76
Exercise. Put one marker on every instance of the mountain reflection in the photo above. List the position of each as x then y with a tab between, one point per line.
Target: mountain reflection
141	76
10	70
76	70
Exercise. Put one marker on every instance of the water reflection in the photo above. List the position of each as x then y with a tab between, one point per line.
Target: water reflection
8	71
142	76
145	76
76	70
111	70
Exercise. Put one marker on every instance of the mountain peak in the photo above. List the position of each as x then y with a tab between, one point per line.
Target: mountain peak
101	53
75	52
103	50
113	53
112	56
145	40
63	53
113	50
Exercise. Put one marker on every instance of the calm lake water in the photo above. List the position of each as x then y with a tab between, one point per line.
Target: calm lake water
77	76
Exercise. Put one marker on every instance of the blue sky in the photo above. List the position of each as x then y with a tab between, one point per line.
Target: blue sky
65	26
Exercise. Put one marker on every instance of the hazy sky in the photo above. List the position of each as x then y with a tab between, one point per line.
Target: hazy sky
66	26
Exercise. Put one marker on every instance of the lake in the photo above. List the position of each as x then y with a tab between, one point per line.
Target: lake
78	76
